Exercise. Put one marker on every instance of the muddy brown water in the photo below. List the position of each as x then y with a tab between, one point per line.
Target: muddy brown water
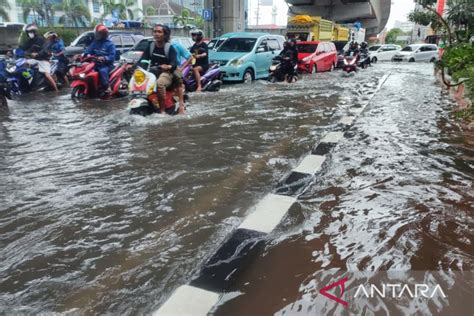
102	212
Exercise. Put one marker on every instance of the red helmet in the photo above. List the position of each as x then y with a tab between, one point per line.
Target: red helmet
102	30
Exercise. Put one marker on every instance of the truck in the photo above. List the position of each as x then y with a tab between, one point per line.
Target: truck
315	28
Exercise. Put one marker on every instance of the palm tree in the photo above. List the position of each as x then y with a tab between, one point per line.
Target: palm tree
182	19
149	10
124	8
34	7
4	7
75	12
461	14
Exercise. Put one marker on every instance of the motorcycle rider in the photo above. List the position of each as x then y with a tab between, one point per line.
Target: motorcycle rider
289	55
364	50
55	47
35	47
201	54
163	63
353	49
102	48
184	58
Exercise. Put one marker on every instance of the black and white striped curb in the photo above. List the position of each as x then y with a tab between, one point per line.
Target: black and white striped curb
220	271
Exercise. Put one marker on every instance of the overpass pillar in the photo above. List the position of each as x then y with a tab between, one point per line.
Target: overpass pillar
229	16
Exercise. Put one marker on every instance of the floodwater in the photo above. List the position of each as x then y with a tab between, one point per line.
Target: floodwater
102	212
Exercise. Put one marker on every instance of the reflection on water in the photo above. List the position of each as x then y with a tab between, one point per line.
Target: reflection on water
396	196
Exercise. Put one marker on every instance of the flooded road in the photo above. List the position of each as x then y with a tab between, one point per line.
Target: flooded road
106	213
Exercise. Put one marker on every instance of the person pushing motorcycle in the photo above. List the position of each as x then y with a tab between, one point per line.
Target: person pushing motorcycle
104	50
35	47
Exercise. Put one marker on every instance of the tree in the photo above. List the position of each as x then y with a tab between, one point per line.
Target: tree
182	19
199	21
75	12
391	37
4	7
428	5
149	11
34	7
460	14
124	8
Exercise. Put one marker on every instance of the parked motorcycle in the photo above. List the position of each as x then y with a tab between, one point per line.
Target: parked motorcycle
85	78
210	81
277	70
4	88
143	94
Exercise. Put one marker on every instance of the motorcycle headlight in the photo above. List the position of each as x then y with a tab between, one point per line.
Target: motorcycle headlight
236	62
139	77
273	68
345	62
82	76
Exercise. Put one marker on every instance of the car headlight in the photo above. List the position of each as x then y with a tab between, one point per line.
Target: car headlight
306	59
236	62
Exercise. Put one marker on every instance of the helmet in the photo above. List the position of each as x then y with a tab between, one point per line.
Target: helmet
31	30
101	31
50	34
363	45
198	33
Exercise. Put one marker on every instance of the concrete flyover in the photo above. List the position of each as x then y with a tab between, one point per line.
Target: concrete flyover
373	14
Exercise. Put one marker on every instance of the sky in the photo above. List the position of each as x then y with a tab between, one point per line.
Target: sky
399	11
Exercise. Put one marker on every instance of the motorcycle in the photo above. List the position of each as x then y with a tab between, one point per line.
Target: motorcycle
210	81
23	77
85	78
5	94
276	71
350	62
364	60
143	94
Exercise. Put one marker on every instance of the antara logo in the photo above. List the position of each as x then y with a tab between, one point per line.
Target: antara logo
340	284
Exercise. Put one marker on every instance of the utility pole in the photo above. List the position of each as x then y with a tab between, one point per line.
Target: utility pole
258	11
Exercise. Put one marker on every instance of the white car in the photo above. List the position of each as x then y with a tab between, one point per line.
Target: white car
383	52
418	52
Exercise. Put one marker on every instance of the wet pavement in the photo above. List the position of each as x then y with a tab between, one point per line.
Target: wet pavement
108	213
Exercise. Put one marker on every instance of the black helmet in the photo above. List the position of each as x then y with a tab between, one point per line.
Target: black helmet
198	33
31	30
363	45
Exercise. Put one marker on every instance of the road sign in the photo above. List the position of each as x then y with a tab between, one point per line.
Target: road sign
207	15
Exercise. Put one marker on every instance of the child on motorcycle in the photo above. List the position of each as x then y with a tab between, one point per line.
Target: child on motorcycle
36	48
55	47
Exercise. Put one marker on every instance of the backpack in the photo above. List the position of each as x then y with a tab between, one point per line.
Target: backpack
167	49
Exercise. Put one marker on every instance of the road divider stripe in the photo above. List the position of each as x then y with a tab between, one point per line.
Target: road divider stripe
332	137
268	213
188	301
310	164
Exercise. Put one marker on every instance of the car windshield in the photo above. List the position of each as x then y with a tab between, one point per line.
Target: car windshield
407	49
238	45
340	45
83	40
307	48
142	45
374	48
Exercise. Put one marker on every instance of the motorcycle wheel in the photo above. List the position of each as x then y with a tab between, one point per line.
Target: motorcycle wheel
272	79
78	93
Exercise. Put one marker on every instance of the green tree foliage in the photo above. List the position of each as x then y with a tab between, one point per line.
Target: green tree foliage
4	7
391	37
34	7
182	19
124	8
75	13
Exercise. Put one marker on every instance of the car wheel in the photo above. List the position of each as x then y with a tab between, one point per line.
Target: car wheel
433	60
374	60
248	76
411	60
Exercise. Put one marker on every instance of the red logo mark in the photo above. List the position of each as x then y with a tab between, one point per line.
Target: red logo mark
340	283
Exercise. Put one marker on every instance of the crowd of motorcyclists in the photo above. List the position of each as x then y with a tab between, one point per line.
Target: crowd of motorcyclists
164	59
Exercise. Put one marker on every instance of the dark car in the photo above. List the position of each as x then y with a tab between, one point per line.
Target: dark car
340	47
123	41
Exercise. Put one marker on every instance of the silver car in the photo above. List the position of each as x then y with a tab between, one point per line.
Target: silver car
417	52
